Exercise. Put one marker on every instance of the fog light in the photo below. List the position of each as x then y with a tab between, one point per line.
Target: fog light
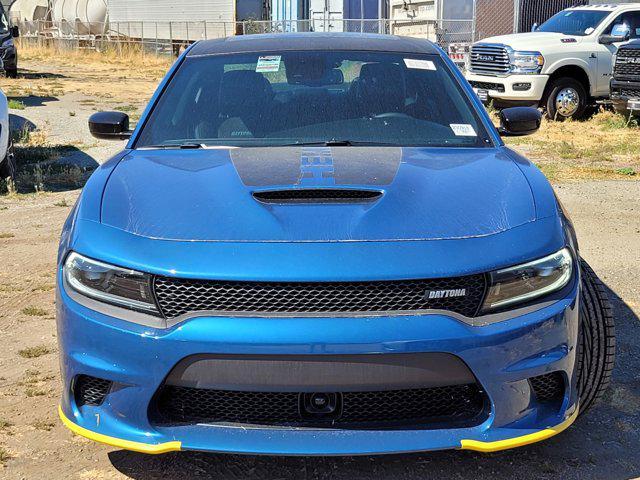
521	87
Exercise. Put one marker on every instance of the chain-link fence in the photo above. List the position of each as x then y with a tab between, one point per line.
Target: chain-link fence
171	37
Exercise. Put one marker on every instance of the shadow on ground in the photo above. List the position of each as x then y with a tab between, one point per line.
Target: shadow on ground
33	75
34	100
603	444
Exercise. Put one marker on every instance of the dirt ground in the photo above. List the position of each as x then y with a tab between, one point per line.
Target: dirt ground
34	445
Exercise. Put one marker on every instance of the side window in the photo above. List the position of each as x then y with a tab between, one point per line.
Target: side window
631	20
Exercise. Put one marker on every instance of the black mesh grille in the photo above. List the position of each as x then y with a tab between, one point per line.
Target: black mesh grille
626	66
488	86
425	407
548	387
176	296
633	92
328	195
91	390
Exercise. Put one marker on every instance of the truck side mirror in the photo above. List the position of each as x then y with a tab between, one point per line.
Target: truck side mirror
15	31
518	121
534	27
110	126
619	33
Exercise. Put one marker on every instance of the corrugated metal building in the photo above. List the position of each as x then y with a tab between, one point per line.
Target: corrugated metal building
184	20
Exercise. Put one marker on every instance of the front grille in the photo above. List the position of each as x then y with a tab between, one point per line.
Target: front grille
417	408
627	64
327	195
489	59
632	92
548	387
488	86
176	296
90	390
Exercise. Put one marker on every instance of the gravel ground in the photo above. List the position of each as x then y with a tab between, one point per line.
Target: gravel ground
602	445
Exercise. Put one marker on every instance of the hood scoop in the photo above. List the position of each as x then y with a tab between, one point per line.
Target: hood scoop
317	195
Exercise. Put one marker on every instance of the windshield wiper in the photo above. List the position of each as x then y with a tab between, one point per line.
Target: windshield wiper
177	146
339	143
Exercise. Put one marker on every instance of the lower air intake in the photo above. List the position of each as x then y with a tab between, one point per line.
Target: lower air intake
436	407
90	390
548	387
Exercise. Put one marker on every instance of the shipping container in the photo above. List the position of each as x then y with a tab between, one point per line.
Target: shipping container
442	21
187	20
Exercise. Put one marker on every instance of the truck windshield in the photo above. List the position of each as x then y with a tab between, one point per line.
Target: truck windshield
314	97
574	22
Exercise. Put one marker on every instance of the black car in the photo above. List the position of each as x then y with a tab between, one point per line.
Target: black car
625	85
8	50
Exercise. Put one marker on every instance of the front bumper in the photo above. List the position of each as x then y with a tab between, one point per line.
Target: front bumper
505	89
137	359
625	95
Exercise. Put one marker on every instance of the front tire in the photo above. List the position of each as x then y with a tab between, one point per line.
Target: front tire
566	98
596	340
11	72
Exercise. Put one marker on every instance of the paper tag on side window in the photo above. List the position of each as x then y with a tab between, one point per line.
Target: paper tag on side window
268	64
463	130
419	64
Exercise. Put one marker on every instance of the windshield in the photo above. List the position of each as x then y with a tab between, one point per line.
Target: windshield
574	22
313	97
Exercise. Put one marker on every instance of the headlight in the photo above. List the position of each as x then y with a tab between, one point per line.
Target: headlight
108	283
7	42
528	281
526	62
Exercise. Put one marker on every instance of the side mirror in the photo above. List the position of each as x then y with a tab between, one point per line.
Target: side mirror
610	39
518	121
15	31
110	126
534	27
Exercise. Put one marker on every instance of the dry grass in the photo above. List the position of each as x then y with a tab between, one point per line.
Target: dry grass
129	57
605	146
34	352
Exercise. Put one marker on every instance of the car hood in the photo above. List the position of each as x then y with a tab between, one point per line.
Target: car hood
538	41
208	195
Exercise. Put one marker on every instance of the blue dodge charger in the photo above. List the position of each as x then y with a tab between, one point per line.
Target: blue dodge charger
319	245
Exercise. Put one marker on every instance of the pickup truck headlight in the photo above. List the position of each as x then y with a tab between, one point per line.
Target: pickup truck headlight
108	283
526	62
528	281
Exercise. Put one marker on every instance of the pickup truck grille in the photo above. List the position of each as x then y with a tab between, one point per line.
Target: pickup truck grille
627	64
489	59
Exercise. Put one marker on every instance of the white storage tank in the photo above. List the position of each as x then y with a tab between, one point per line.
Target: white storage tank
27	14
81	17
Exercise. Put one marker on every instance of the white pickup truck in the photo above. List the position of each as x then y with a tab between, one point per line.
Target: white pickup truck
563	66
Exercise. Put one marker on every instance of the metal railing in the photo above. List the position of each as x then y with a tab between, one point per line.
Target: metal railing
170	37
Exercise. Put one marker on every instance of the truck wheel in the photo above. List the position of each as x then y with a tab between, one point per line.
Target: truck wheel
596	340
11	72
566	98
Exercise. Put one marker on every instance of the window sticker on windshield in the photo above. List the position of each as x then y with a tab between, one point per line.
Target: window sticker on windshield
268	64
463	130
419	64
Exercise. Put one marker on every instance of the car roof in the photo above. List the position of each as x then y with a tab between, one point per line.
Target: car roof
313	41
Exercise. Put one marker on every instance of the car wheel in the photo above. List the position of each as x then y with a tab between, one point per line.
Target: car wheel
596	339
566	98
8	165
12	72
